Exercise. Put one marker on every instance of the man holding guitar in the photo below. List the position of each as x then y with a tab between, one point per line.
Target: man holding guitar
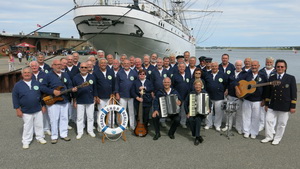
141	90
253	102
58	112
280	100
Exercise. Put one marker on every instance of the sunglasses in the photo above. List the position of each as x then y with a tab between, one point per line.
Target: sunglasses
280	66
84	67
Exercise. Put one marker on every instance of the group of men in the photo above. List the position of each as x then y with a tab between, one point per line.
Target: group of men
267	108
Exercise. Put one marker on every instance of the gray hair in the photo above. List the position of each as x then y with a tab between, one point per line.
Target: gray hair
102	59
270	58
25	68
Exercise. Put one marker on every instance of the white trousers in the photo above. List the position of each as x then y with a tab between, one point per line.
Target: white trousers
237	115
46	121
83	109
217	122
263	115
124	102
251	117
103	103
32	122
282	119
72	114
58	114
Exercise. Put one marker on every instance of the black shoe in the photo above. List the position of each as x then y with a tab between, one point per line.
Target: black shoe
171	136
156	136
200	139
197	141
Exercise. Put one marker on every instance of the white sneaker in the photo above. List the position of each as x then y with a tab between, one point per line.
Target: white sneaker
246	135
25	146
218	129
94	127
253	136
240	132
42	141
92	134
70	128
183	126
266	140
48	132
206	127
78	136
225	129
275	142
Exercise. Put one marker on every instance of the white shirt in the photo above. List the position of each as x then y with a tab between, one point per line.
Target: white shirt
70	68
192	70
127	72
183	76
28	84
168	93
160	71
254	75
84	77
269	71
214	75
104	73
281	75
20	55
236	74
143	82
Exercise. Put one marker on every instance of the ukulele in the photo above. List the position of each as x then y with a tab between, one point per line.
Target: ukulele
140	129
248	87
51	99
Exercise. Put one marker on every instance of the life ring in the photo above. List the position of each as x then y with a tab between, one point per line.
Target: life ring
101	119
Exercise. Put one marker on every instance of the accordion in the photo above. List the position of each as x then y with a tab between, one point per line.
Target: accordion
168	105
199	104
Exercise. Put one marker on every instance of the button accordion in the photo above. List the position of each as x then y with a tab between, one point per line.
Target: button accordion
199	104
168	105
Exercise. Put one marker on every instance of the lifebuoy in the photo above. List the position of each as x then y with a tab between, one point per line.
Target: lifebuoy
101	119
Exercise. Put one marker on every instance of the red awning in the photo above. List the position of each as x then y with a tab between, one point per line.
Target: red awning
24	44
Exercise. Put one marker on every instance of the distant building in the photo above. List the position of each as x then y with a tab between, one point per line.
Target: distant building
44	41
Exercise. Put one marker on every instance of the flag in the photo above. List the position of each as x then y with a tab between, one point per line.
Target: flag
38	25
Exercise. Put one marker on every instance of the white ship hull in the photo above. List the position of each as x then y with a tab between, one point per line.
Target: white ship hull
112	29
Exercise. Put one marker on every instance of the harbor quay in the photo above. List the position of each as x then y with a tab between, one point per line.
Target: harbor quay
215	152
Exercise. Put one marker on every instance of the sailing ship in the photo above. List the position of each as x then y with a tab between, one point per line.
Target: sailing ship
135	28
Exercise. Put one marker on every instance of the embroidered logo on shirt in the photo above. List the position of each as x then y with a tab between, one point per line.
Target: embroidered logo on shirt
46	71
220	80
187	80
41	79
149	72
131	78
91	81
259	79
109	77
165	75
65	80
228	72
287	85
35	87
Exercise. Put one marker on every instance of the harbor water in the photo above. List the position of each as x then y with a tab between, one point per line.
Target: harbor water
292	59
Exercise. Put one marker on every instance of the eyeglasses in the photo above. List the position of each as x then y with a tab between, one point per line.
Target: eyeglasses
84	67
56	64
280	66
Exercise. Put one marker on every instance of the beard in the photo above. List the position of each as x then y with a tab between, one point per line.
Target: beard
269	66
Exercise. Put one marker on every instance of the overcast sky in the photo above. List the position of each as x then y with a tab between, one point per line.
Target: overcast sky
242	23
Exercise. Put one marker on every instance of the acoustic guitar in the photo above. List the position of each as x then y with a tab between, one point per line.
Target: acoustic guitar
248	87
51	99
140	129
